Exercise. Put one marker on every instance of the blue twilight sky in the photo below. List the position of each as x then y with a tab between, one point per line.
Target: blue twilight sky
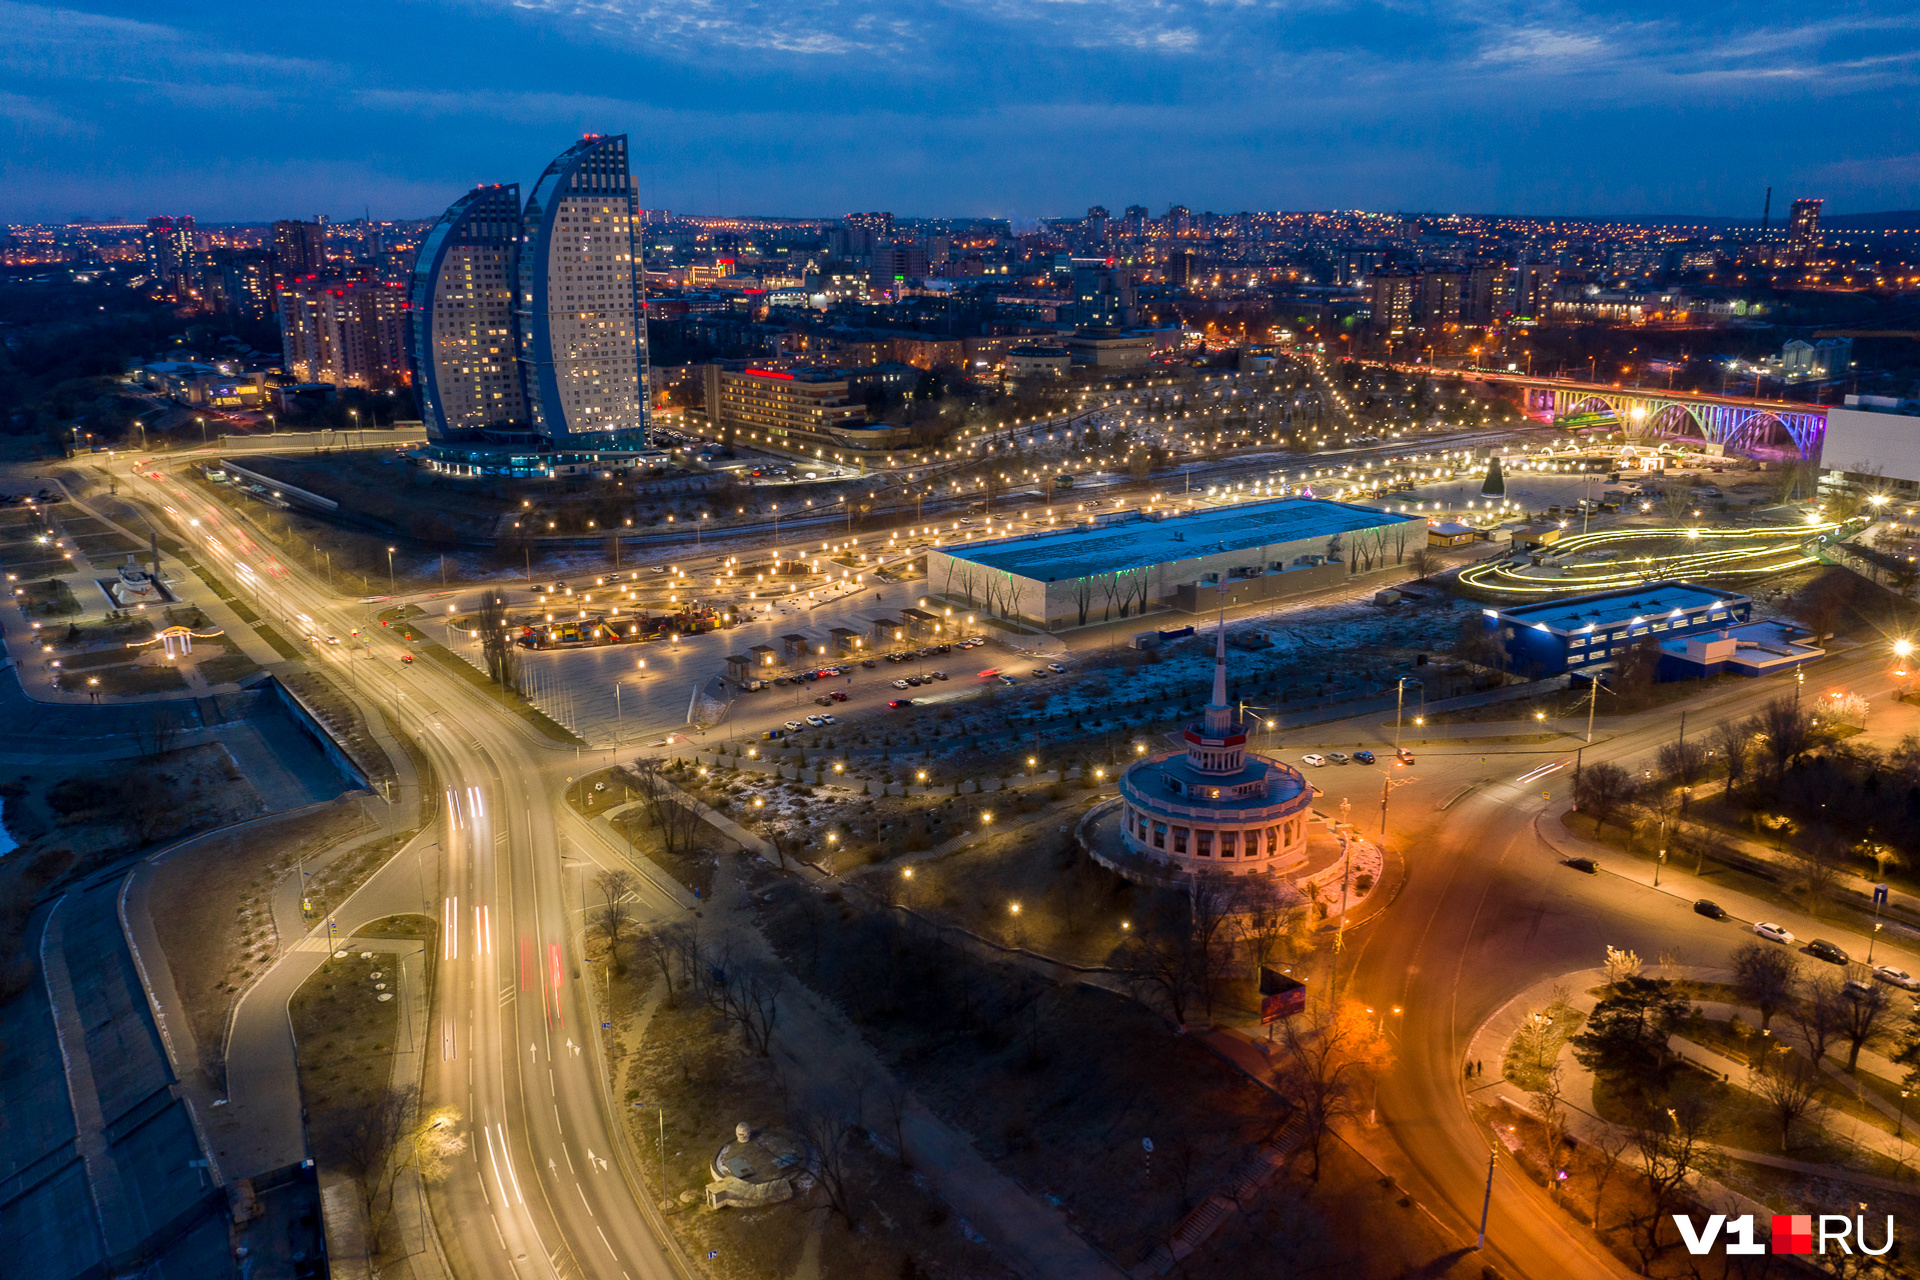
987	107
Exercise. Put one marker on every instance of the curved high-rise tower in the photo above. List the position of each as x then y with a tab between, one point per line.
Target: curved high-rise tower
582	337
461	333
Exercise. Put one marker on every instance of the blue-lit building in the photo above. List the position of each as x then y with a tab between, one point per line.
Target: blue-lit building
582	338
1593	630
461	338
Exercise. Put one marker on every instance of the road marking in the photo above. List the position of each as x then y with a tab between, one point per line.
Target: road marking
508	1154
495	1158
448	1044
569	1155
450	927
605	1241
583	1200
598	1163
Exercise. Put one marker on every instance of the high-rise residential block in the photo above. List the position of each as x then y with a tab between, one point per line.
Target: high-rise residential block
346	331
461	336
170	253
299	249
1440	298
1803	227
581	332
1390	302
1489	294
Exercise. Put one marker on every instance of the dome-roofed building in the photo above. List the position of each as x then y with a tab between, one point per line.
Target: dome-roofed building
1216	807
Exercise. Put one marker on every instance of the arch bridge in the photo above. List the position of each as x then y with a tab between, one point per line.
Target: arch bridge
1743	426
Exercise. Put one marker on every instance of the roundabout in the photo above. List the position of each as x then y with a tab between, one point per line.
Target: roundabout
1615	558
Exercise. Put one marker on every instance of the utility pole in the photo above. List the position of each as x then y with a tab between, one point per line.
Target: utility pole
1486	1203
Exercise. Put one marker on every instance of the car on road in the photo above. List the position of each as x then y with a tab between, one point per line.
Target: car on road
1709	908
899	684
827	719
867	663
333	639
815	721
936	675
1313	758
1587	865
1772	932
1008	680
793	725
1403	755
1821	949
1854	989
1338	757
1038	673
1897	977
407	658
897	703
836	696
1056	668
1363	757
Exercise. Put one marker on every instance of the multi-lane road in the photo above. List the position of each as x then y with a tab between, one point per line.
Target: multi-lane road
546	1187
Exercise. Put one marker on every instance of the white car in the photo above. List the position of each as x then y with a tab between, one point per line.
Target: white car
794	726
1056	668
1772	932
899	684
1898	977
1313	758
815	721
824	718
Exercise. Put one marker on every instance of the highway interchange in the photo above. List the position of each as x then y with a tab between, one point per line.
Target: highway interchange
550	1187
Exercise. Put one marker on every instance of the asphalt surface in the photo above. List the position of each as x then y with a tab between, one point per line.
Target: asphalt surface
544	1188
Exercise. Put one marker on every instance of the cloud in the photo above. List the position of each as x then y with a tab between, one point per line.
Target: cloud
35	115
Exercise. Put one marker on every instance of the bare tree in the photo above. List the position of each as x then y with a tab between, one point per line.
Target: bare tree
828	1128
1861	1021
1553	1121
1674	1143
1600	789
616	886
895	1101
1607	1146
656	950
749	993
1818	859
1159	968
1765	976
1327	1053
1422	561
1733	742
1819	1014
1790	1087
1785	731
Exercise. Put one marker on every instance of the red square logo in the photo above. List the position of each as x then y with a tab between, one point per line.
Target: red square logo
1793	1233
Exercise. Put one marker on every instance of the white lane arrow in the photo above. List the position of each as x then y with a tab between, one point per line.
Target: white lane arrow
576	1048
599	1163
534	1049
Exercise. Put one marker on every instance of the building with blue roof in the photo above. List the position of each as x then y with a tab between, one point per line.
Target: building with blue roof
1130	562
1593	630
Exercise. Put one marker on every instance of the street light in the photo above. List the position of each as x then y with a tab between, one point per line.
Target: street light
390	589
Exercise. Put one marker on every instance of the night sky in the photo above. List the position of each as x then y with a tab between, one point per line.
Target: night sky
1022	108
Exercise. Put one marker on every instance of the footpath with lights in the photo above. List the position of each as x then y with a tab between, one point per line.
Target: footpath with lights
1707	553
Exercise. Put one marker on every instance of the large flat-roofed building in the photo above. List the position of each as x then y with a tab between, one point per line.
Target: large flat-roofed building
1874	441
1596	629
1122	565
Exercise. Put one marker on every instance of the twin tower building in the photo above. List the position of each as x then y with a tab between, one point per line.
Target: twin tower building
527	324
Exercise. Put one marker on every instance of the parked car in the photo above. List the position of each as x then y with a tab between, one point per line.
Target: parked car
915	681
827	719
1038	673
1710	909
1772	932
867	663
1008	680
1587	865
1821	949
824	700
1338	757
899	684
1898	977
901	702
793	725
1854	989
1313	758
815	721
1363	757
836	696
1056	668
937	675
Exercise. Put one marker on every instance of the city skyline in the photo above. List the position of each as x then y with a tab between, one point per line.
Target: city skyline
983	111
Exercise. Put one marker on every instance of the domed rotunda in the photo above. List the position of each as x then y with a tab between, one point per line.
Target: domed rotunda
1216	807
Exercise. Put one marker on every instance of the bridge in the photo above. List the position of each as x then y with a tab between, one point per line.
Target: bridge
1738	423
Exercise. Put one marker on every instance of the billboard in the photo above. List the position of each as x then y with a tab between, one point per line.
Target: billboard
1280	996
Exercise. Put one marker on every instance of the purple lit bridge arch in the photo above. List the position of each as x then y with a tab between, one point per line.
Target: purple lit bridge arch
1744	426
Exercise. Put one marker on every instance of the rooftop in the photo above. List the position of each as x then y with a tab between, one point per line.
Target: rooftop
1607	608
1135	543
